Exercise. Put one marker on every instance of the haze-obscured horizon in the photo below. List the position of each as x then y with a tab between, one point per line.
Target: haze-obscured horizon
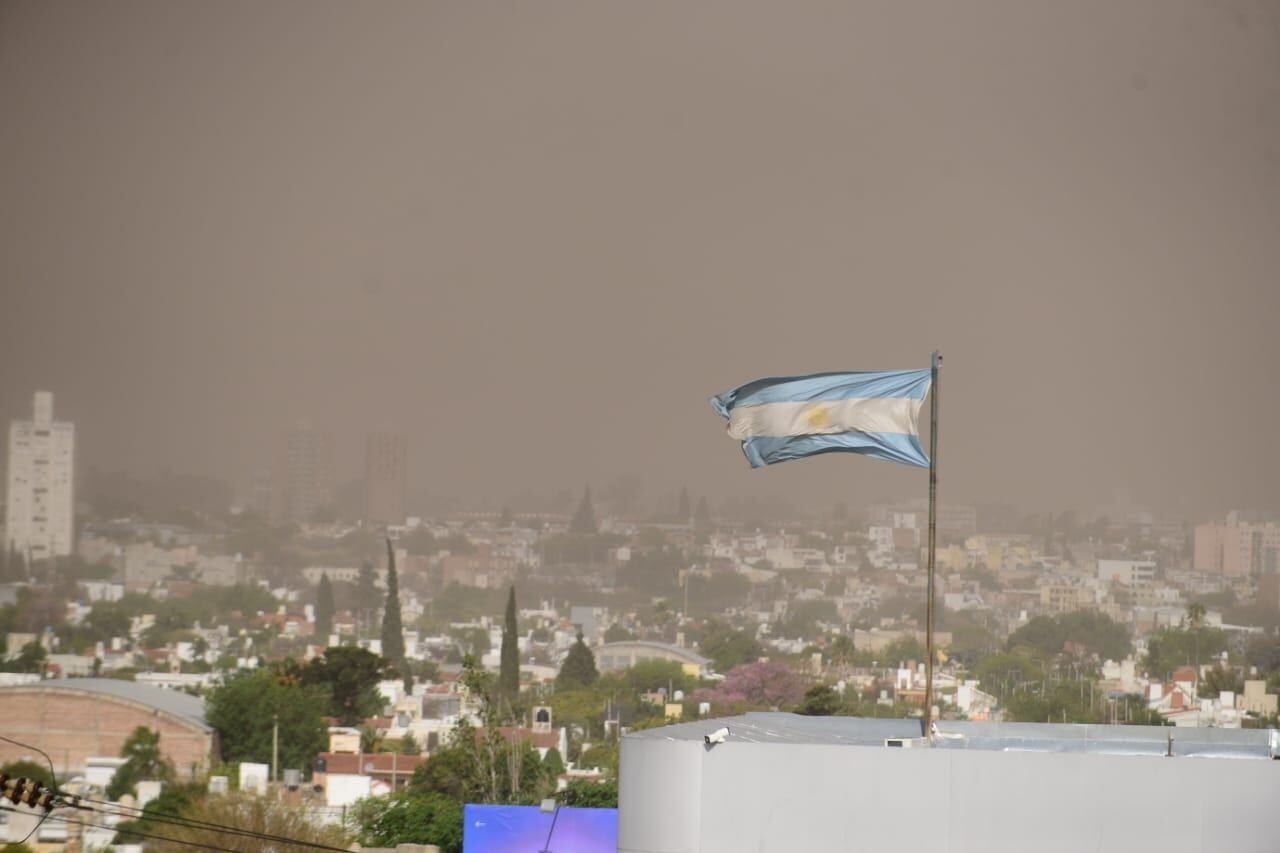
536	238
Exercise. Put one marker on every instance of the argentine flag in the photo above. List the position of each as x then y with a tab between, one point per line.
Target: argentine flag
874	412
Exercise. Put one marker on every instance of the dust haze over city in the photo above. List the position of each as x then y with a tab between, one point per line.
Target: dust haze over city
313	281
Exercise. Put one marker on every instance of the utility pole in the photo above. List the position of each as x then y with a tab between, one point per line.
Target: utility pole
275	747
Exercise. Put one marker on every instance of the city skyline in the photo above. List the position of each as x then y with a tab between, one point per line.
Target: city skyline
458	230
304	474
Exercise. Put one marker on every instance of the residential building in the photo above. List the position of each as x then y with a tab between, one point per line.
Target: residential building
386	465
627	653
1064	597
483	568
303	481
40	506
1238	549
1127	572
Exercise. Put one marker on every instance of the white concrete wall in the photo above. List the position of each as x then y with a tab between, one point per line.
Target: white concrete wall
680	797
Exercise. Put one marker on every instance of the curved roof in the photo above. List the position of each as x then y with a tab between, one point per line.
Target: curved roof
182	705
676	651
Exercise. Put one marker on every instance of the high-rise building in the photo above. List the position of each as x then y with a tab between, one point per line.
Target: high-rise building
303	475
40	510
1238	549
386	462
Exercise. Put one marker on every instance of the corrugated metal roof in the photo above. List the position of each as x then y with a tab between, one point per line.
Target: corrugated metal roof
777	727
184	705
998	737
688	654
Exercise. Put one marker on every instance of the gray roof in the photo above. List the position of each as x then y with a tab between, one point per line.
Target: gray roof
679	651
775	727
177	703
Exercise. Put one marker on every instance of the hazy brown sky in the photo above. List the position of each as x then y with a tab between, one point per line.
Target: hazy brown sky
538	236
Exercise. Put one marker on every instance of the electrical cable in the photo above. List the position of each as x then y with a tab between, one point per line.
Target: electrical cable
117	810
52	777
152	836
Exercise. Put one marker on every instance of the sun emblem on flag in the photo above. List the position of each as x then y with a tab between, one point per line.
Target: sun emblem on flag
819	417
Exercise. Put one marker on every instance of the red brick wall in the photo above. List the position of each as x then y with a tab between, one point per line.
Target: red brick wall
72	726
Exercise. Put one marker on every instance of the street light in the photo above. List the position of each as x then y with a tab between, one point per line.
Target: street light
551	807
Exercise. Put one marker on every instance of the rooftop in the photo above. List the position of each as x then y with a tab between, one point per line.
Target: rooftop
688	654
775	727
177	703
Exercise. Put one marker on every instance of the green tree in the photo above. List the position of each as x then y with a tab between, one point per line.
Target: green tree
1170	648
615	633
366	597
1219	679
143	760
274	815
158	813
392	628
1195	621
324	609
24	769
842	651
584	518
30	659
1082	630
509	671
350	675
729	647
409	817
702	520
820	700
409	745
589	795
553	764
242	708
579	667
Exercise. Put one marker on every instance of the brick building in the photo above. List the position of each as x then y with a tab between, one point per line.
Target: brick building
79	718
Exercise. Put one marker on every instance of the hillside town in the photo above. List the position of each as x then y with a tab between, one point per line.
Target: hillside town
376	642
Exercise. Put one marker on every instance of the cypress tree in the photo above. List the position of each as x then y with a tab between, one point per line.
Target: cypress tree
366	593
579	667
584	518
702	519
682	509
509	671
392	630
324	609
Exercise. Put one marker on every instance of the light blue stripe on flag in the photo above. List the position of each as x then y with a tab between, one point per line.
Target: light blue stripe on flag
874	413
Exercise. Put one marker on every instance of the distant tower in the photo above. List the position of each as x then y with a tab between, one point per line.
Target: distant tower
303	475
542	718
40	511
386	463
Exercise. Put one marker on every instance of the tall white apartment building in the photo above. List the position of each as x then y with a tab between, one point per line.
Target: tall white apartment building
39	512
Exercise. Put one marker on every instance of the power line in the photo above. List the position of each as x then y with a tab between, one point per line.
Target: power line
48	799
191	823
152	836
52	777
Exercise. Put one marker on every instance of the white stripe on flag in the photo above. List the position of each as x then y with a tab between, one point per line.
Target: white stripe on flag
825	417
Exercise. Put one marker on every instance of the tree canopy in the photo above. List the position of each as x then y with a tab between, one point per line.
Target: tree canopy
584	517
579	667
143	760
1084	631
392	627
324	609
350	675
509	661
244	705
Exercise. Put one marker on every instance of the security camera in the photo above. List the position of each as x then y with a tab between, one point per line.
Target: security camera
718	736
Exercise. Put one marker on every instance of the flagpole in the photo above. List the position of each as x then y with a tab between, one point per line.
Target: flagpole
933	544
